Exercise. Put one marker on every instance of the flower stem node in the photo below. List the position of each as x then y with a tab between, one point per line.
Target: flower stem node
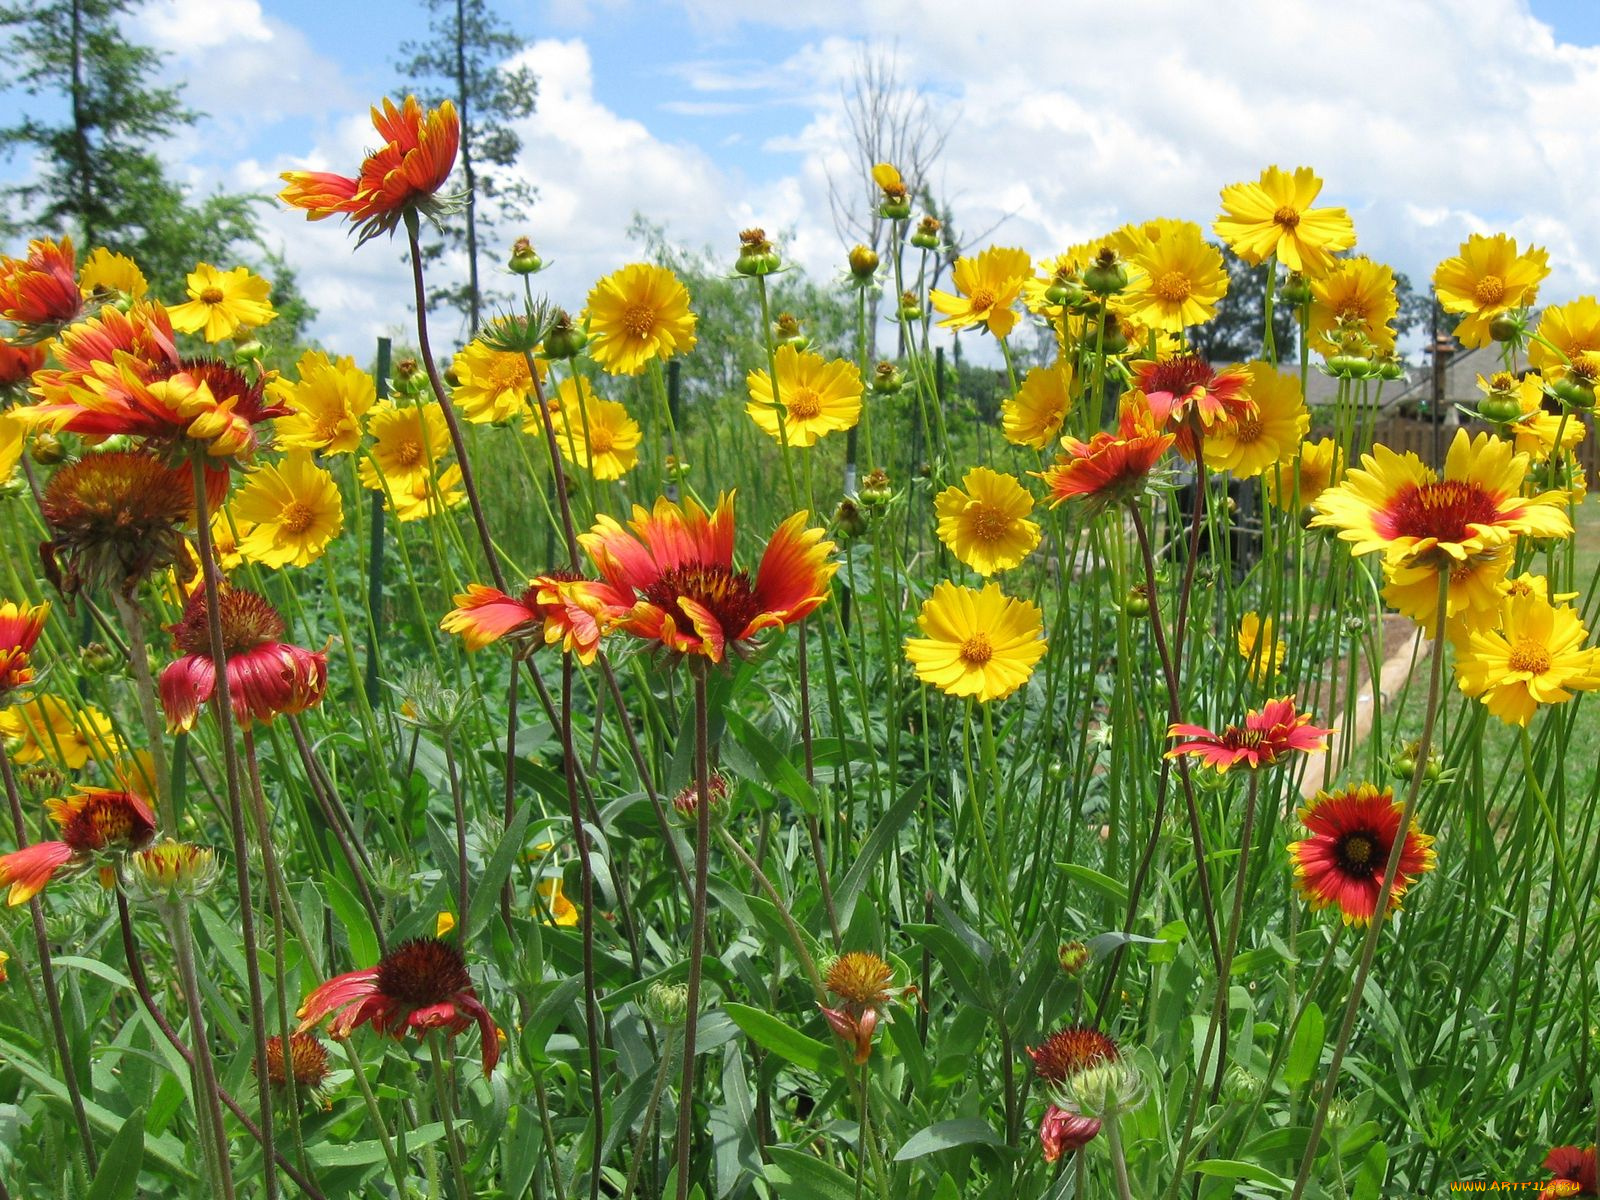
756	254
525	259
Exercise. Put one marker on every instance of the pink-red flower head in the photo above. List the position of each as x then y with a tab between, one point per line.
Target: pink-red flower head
41	289
20	627
1265	737
92	821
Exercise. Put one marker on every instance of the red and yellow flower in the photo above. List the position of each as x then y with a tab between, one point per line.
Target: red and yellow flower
266	676
92	821
676	584
20	627
1267	736
1110	467
400	177
1185	392
1064	1055
1574	1170
41	289
418	986
555	607
1345	859
863	982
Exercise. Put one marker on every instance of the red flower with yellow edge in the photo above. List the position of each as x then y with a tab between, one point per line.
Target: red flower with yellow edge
1574	1171
675	582
556	607
417	156
1274	732
1110	467
41	289
92	821
1343	862
266	676
18	362
418	986
93	347
1185	391
20	627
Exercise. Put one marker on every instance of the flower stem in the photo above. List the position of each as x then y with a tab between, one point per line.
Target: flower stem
397	1168
452	1143
697	934
663	1070
149	712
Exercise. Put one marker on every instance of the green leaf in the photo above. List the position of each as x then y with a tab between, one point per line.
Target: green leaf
945	1135
1228	1168
118	1175
878	841
486	892
784	776
772	1034
806	1177
1305	1049
364	1154
1091	878
357	925
965	969
1369	1182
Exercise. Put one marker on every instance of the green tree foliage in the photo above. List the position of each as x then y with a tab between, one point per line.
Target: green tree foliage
464	63
1235	334
91	125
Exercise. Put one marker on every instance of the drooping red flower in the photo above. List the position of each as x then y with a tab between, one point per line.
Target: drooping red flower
675	581
1110	467
41	289
1574	1171
419	985
114	518
862	981
1062	1131
1187	386
1343	862
1264	738
92	820
559	606
417	156
18	363
20	626
266	676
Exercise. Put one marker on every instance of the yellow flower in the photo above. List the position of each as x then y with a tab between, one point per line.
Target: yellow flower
1249	445
4	958
292	510
562	911
443	924
1033	417
1487	278
986	525
1477	584
1319	465
225	533
1274	217
1573	329
981	644
421	496
223	302
495	385
328	402
106	271
1357	296
13	431
819	397
1257	647
638	314
1534	432
1535	657
407	441
988	285
1179	280
597	435
49	729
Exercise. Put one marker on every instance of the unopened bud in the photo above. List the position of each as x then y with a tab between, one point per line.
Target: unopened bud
910	307
525	259
169	869
863	263
687	802
1107	275
887	379
96	657
1073	957
564	339
667	1004
47	449
849	519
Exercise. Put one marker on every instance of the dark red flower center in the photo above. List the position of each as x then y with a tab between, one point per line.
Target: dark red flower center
725	593
106	821
1443	510
423	972
1177	376
1070	1050
247	621
1235	738
1360	853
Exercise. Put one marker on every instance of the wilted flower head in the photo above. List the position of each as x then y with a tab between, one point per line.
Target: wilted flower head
306	1064
115	518
170	868
687	802
863	982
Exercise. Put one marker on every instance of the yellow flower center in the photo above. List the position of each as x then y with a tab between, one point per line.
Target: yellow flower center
989	524
1247	431
982	300
1287	216
297	517
212	295
1491	289
408	453
639	320
601	440
804	404
326	428
976	650
1530	656
1173	287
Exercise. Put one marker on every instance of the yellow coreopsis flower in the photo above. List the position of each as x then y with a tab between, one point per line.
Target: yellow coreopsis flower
1356	296
1034	416
223	302
423	495
407	441
1477	584
638	314
984	521
978	643
562	910
1535	657
1178	279
327	402
292	511
107	271
1274	217
1567	332
1316	471
595	434
1488	277
495	385
1263	654
1248	445
225	534
13	432
818	397
986	288
48	729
